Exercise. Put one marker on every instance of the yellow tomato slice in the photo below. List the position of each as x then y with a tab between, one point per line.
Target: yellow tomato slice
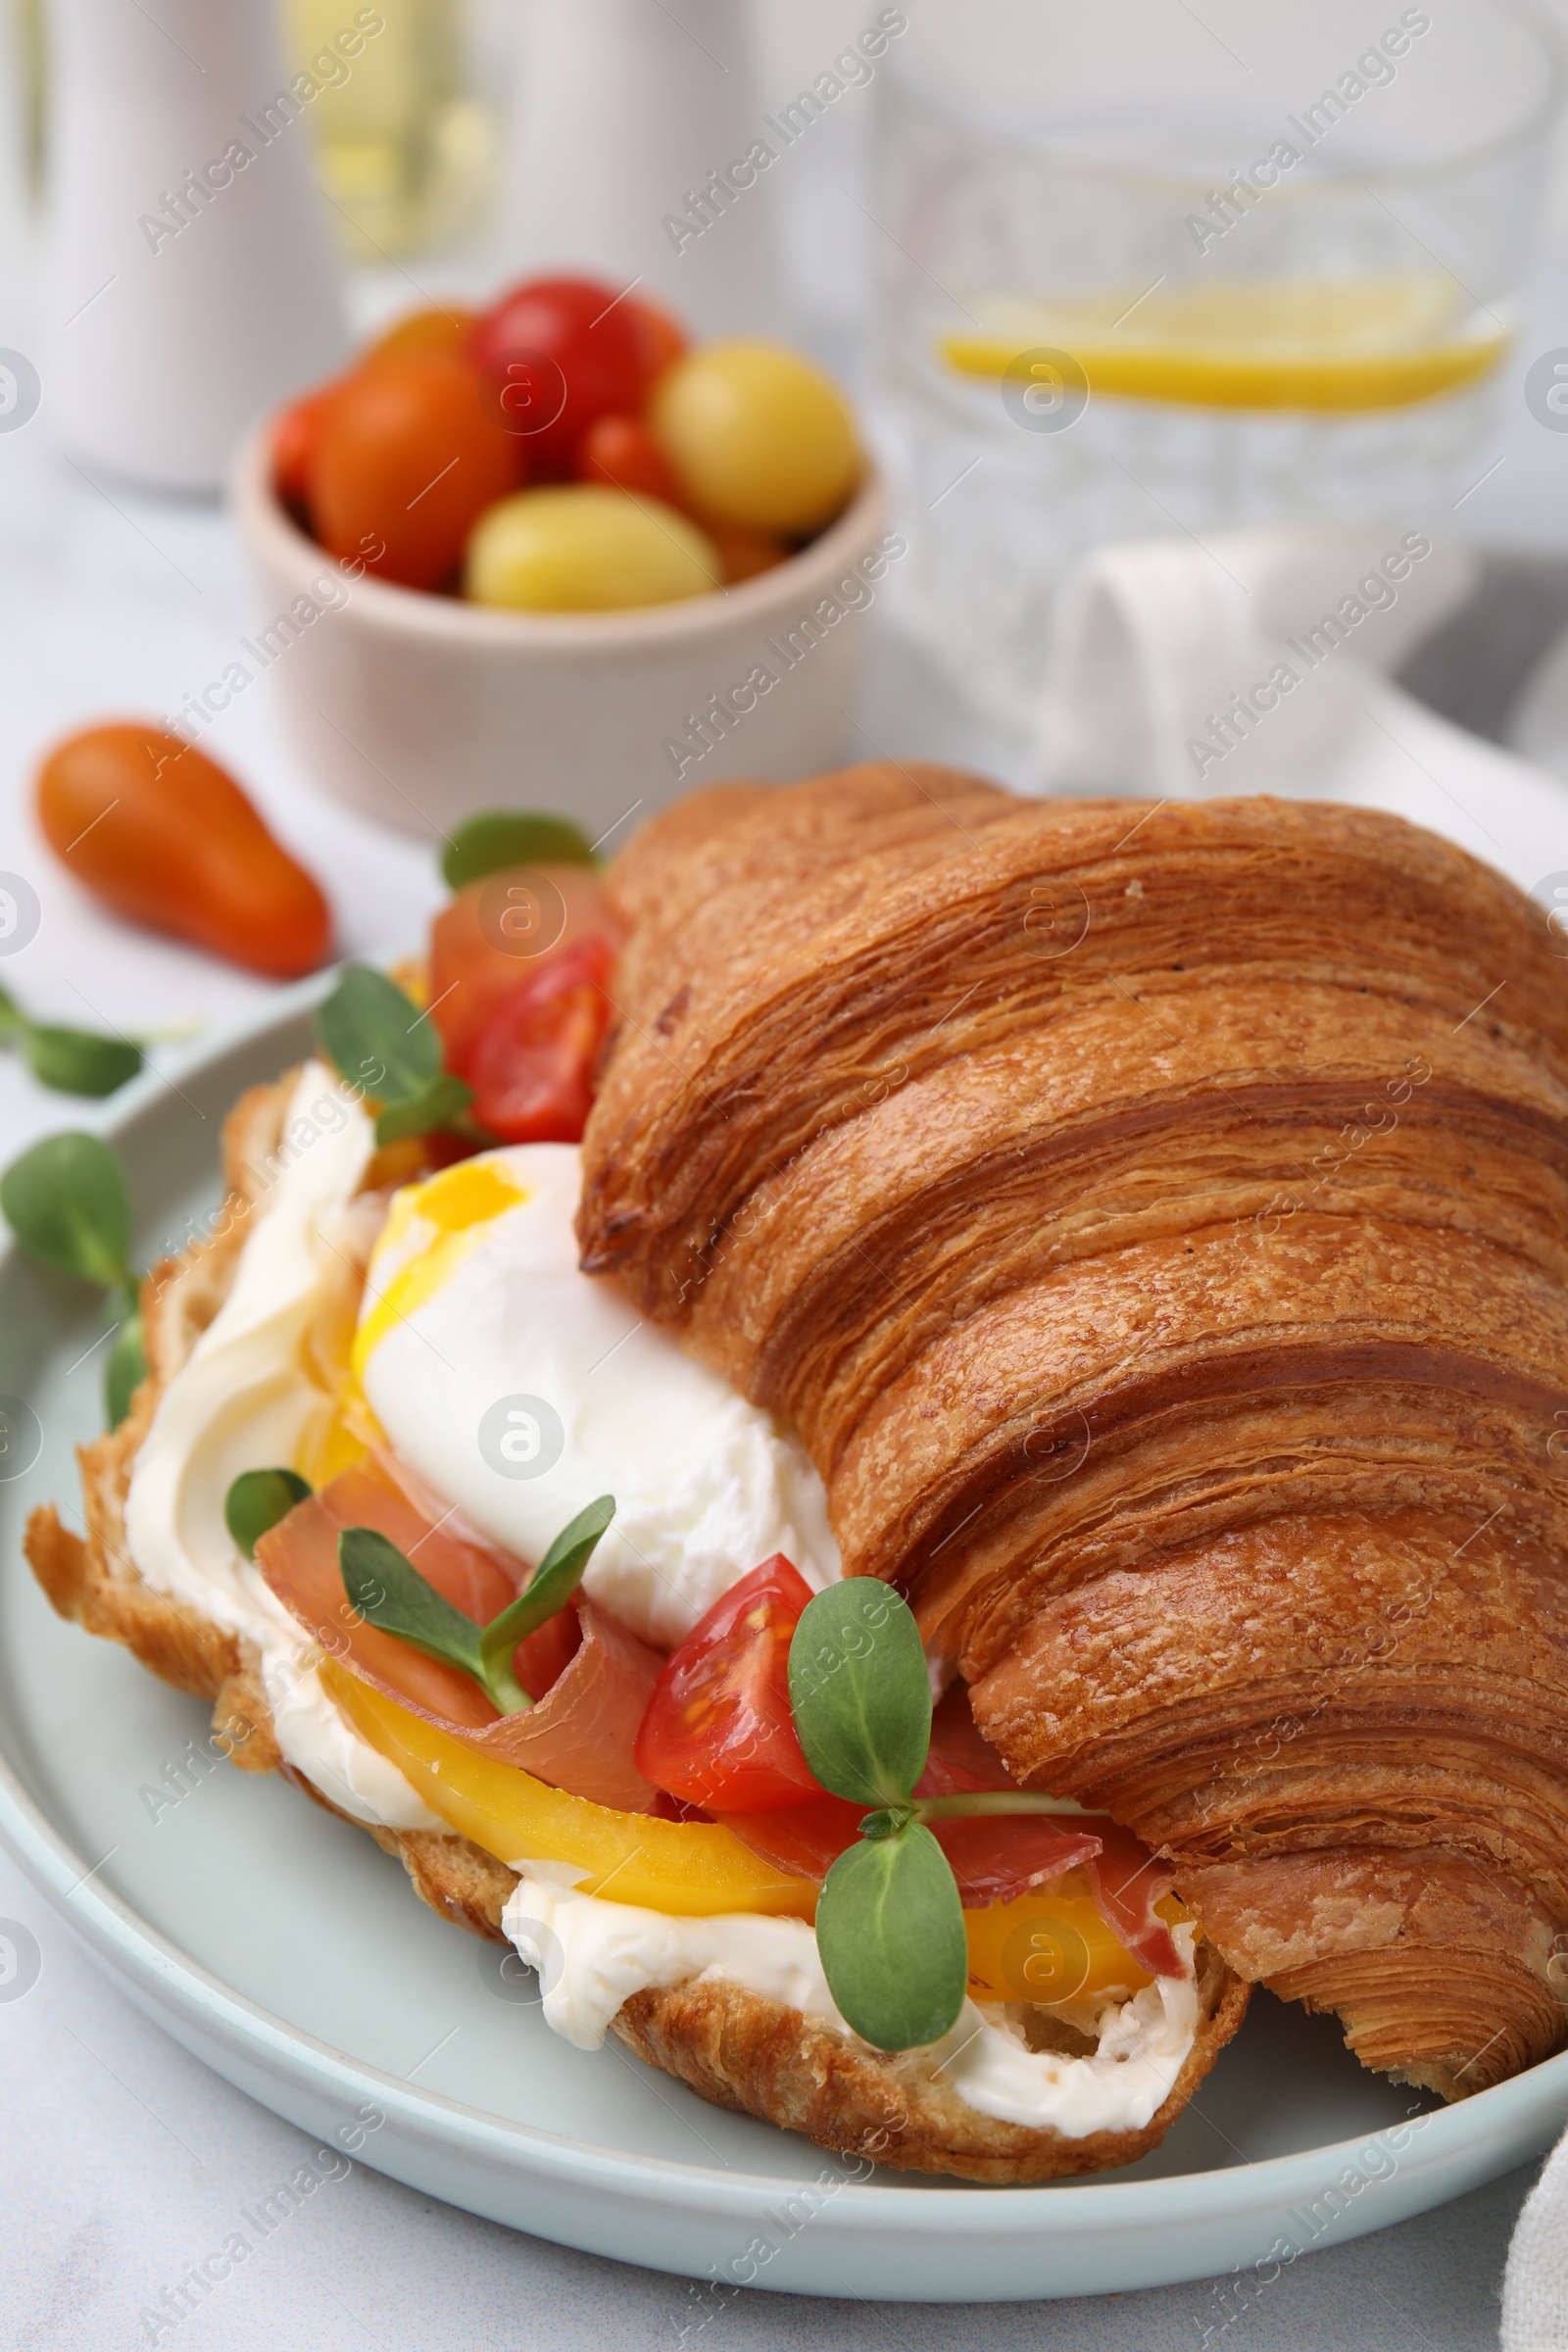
1051	1945
691	1867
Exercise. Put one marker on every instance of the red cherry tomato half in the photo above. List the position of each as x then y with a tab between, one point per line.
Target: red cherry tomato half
497	932
558	354
406	461
718	1731
531	1065
620	451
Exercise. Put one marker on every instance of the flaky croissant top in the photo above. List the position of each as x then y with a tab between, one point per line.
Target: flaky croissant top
1154	1221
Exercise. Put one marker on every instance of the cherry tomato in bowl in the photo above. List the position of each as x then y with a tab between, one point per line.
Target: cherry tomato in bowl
407	459
620	453
443	327
757	436
718	1731
663	338
295	434
557	354
578	547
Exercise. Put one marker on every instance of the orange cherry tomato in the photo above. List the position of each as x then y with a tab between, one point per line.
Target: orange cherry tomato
444	327
531	1065
497	931
620	451
407	459
663	338
167	838
294	437
745	552
718	1731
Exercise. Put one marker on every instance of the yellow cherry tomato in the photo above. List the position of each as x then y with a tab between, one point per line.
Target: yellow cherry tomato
691	1867
757	436
1051	1946
583	549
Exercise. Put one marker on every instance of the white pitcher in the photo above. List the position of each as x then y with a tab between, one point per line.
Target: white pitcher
629	111
194	281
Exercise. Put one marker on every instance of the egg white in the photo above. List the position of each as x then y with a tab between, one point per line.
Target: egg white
706	1484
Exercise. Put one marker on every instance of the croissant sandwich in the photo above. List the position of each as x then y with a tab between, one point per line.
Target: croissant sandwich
1003	1494
1154	1222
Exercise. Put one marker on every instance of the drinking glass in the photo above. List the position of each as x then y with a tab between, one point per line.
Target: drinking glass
1145	269
405	142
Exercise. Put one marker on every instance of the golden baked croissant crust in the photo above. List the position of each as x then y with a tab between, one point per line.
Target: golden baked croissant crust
1154	1221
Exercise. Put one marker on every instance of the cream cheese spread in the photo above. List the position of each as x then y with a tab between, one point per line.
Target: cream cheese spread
242	1401
592	1956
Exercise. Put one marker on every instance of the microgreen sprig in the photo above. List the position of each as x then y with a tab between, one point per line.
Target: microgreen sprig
379	1042
386	1588
257	1500
73	1061
890	1917
67	1203
502	836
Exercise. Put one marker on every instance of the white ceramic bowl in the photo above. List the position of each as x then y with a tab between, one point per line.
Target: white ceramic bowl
421	709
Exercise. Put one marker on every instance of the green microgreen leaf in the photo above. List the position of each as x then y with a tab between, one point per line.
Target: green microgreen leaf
437	1106
503	837
67	1204
889	1931
76	1062
73	1061
257	1500
860	1692
548	1589
127	1367
377	1038
390	1593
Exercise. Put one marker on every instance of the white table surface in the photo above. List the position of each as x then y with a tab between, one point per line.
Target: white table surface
122	2159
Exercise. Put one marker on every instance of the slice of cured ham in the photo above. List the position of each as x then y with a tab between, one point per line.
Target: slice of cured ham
590	1689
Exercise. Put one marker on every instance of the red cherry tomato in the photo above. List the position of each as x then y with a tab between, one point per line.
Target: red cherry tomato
557	354
620	451
295	434
406	461
718	1731
531	1065
808	1837
663	337
496	932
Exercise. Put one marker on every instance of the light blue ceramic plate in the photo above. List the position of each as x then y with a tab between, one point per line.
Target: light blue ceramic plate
286	1951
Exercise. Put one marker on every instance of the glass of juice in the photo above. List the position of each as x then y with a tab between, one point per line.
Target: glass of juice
1143	270
405	138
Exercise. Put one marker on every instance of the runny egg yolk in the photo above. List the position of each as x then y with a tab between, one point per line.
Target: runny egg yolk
429	1230
452	1206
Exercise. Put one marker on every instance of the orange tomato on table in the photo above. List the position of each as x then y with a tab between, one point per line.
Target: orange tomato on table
167	838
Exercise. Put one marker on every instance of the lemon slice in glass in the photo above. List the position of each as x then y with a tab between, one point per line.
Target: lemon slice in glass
1253	342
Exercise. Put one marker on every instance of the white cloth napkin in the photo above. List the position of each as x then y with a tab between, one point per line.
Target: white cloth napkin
1152	686
1259	661
1535	2289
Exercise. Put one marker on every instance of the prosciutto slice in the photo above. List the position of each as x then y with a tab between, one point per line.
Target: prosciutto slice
591	1679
